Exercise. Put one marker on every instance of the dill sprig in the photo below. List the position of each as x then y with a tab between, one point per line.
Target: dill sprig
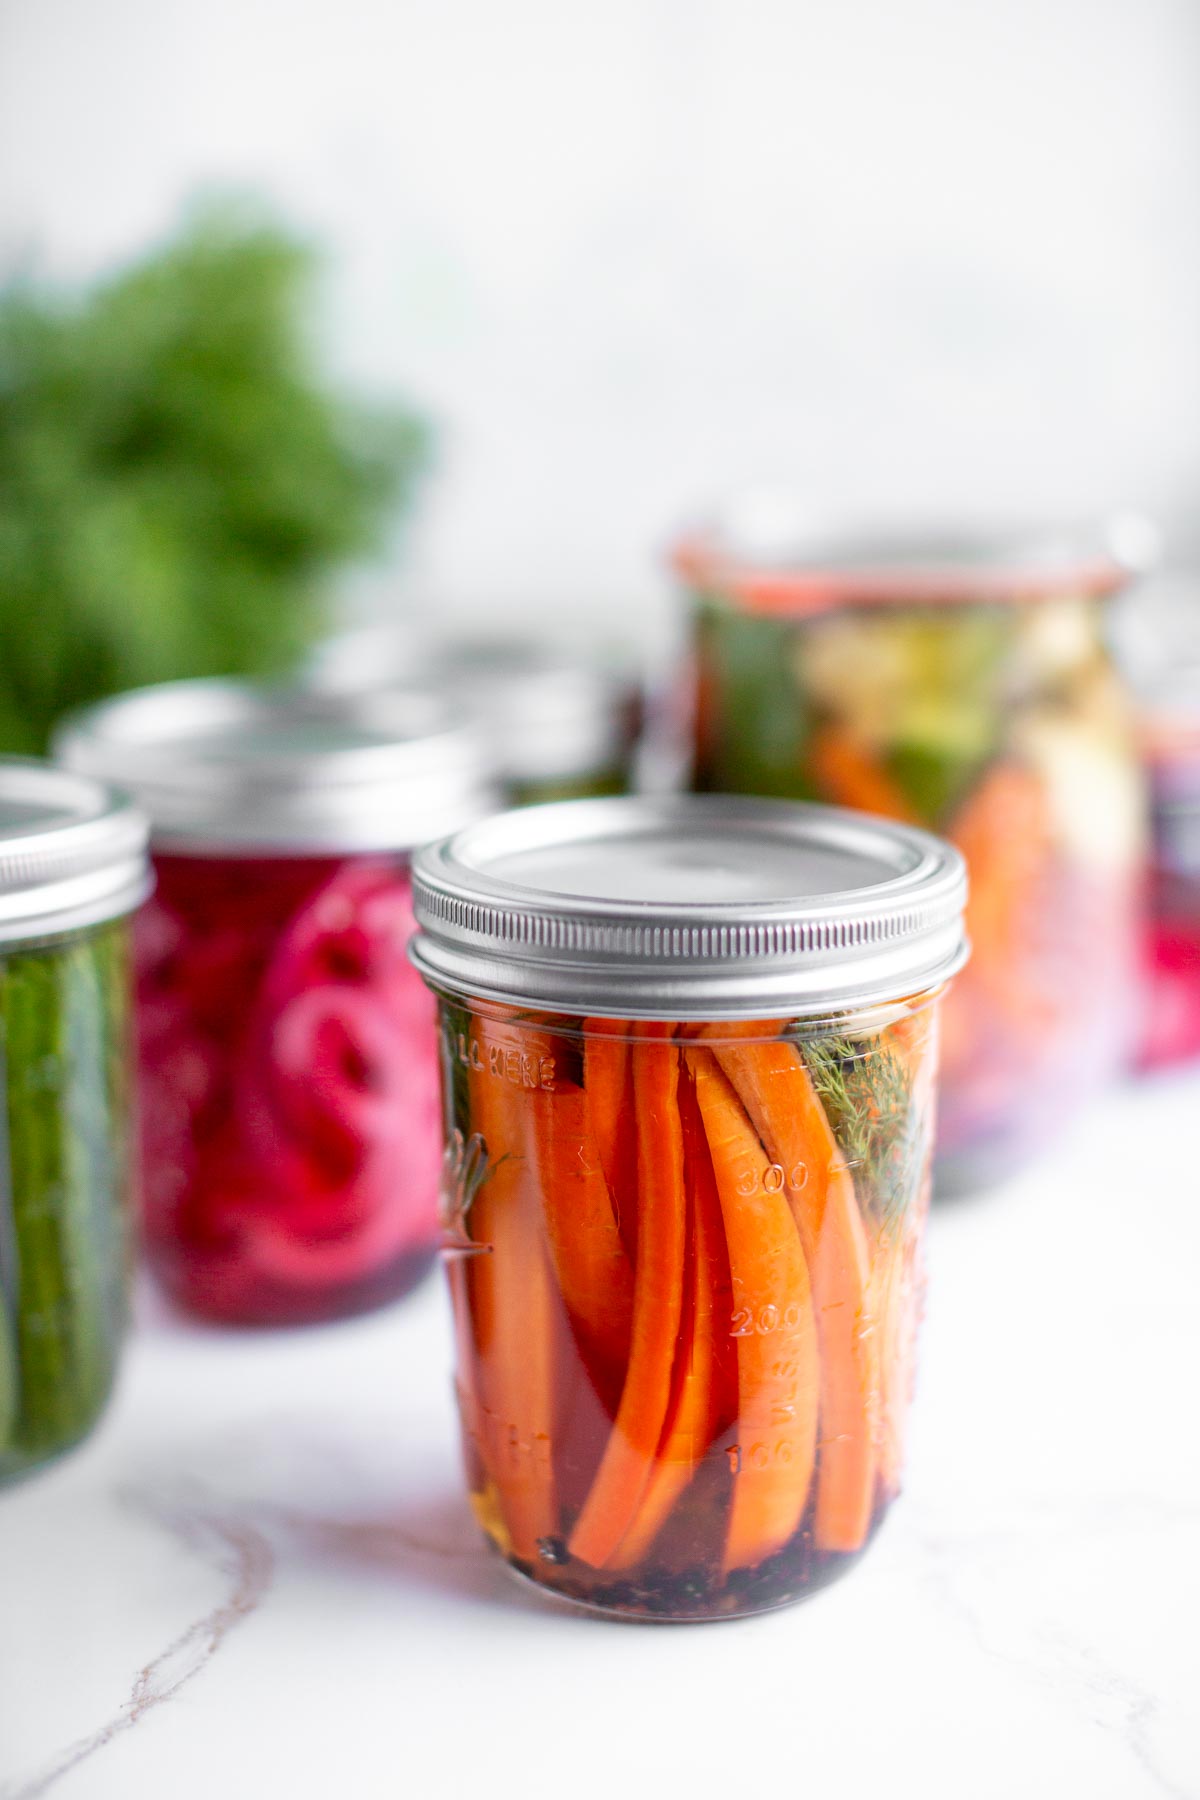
866	1089
181	483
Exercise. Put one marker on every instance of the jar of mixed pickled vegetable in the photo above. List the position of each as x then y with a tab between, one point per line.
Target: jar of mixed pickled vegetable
290	1126
72	868
559	726
965	687
689	1057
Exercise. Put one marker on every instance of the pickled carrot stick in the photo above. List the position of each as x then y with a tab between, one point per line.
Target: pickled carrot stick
705	1386
514	1310
606	1078
774	1325
775	1088
628	1460
605	1065
595	1276
1006	832
849	775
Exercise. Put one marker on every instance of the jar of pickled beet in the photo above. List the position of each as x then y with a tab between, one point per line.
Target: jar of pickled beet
1169	722
290	1134
689	1054
73	866
559	726
965	686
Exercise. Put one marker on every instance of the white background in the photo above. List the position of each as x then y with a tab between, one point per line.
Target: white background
631	254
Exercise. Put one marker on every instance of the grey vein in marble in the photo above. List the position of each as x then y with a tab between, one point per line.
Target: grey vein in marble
244	1558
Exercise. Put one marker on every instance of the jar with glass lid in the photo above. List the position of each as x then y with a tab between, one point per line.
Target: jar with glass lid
689	1053
290	1142
962	683
73	867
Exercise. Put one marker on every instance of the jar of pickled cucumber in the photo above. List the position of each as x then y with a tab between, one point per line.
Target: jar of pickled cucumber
289	1086
73	867
559	725
965	686
689	1052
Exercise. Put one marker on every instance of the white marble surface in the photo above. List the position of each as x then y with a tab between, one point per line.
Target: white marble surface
259	1578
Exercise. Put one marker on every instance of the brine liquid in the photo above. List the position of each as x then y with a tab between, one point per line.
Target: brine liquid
686	1277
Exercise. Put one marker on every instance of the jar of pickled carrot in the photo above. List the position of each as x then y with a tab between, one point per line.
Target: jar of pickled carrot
689	1057
289	1111
965	686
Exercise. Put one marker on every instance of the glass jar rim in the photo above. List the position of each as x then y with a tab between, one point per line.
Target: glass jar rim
766	555
72	852
224	766
853	1022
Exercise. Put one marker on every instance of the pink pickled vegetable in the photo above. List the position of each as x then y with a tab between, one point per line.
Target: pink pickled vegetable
291	1119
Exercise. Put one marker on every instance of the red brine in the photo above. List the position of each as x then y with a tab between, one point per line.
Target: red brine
1170	1019
1171	985
290	1110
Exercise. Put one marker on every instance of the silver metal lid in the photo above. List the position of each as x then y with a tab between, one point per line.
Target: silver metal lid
72	853
224	765
689	907
771	553
547	715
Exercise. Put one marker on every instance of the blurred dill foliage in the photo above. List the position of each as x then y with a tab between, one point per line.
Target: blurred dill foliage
178	480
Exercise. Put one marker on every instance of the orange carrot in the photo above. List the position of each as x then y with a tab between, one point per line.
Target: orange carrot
512	1302
1006	832
705	1390
594	1273
773	1084
849	774
605	1065
774	1326
628	1460
1003	1005
606	1079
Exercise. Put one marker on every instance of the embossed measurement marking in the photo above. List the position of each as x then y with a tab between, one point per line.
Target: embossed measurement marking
774	1179
762	1320
506	1062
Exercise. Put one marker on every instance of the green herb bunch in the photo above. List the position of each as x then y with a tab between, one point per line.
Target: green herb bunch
866	1090
178	482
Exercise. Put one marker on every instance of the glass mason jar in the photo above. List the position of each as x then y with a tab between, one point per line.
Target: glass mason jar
72	868
689	1056
559	726
290	1136
966	688
1170	738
